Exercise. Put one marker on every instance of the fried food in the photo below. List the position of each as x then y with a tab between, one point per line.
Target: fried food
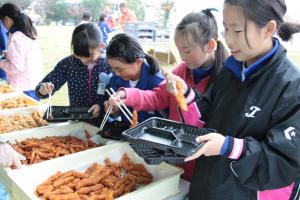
15	102
135	119
180	97
38	150
97	182
19	122
4	88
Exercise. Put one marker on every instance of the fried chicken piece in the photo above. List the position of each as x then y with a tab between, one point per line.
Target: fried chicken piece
180	97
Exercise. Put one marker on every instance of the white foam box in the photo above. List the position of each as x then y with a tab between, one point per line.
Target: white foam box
165	182
60	129
34	105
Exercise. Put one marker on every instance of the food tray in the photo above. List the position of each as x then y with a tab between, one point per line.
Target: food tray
155	156
165	134
61	129
32	103
113	130
66	113
165	177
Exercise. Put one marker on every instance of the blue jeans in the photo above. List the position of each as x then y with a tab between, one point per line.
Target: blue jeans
3	194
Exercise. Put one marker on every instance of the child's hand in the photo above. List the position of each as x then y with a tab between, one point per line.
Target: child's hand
171	80
212	146
116	99
46	88
115	109
95	110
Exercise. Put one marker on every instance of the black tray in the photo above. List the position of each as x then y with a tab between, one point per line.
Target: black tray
155	156
113	130
65	113
165	134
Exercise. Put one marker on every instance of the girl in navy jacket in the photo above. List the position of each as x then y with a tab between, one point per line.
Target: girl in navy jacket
80	71
132	68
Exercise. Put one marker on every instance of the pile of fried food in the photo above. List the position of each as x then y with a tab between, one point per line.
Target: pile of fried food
38	150
19	122
15	102
98	182
4	88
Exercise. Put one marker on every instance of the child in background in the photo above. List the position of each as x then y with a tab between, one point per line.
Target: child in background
254	105
104	28
132	68
196	38
81	71
8	12
23	64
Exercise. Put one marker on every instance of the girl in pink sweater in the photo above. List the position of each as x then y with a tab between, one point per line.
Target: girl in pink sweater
196	38
23	64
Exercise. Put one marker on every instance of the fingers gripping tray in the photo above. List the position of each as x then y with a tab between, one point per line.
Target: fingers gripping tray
167	135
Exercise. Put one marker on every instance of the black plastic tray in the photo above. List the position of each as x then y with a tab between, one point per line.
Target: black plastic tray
66	113
155	156
165	134
113	130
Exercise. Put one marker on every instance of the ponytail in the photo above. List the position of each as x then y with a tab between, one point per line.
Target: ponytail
221	55
24	24
153	64
287	29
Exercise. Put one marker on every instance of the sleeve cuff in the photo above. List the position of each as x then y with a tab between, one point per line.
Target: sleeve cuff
189	96
233	148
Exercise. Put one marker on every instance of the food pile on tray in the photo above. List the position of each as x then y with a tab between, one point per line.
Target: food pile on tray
107	181
19	122
15	102
38	150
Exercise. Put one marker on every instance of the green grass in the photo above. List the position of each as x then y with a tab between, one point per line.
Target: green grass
55	43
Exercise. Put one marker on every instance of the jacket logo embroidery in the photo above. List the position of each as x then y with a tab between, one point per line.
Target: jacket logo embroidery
254	110
289	132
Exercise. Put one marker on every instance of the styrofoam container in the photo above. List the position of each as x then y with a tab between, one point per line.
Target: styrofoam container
165	177
61	129
34	104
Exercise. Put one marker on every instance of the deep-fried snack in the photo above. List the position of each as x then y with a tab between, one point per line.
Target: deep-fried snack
4	88
15	102
19	122
97	182
180	97
38	150
135	119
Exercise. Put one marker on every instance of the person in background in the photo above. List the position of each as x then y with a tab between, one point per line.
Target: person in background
23	64
81	71
126	16
86	18
6	22
254	106
110	20
196	38
104	28
132	68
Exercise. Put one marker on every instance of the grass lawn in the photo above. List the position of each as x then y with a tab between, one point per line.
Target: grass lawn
55	43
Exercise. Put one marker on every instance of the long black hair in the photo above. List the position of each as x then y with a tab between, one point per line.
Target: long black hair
202	27
85	36
22	22
127	49
263	11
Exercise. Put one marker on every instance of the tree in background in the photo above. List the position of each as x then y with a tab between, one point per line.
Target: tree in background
75	11
166	6
54	10
138	7
95	7
23	4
